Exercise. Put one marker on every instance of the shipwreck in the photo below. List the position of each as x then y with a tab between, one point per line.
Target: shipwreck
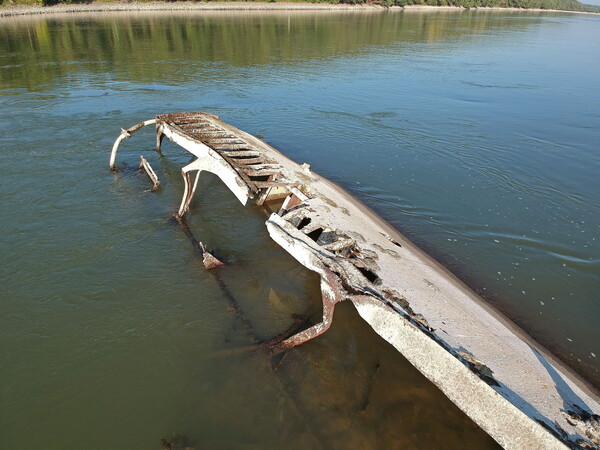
514	390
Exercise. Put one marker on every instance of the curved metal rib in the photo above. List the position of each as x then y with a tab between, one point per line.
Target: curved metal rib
124	135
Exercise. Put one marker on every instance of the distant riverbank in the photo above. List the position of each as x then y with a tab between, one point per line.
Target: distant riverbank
31	9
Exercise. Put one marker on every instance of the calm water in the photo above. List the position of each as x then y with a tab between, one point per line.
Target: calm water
476	134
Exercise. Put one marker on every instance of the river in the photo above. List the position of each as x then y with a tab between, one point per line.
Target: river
474	133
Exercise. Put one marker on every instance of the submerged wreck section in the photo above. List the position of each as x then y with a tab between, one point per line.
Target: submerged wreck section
510	387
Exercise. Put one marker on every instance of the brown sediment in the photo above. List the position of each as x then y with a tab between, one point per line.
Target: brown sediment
366	399
272	346
487	366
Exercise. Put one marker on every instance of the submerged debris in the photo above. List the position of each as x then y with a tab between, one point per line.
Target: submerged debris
210	262
586	422
358	260
245	165
176	443
144	164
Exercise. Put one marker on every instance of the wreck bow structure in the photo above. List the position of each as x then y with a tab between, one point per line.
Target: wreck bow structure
509	386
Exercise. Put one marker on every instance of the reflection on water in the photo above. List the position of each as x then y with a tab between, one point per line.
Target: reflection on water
216	43
468	132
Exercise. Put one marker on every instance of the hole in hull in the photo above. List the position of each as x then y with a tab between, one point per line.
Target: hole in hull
314	235
305	221
259	177
371	276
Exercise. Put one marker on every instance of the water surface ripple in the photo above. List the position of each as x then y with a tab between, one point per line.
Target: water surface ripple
474	133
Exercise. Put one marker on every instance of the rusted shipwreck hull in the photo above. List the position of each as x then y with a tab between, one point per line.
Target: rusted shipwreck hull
512	389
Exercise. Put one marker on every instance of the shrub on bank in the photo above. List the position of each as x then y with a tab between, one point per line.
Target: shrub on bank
568	5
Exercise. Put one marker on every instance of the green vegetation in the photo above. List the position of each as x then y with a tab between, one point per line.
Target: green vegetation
568	5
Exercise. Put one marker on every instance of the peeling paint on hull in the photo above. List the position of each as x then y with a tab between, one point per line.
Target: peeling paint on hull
504	382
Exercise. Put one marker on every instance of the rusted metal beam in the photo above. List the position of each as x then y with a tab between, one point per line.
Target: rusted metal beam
151	174
124	135
332	293
210	262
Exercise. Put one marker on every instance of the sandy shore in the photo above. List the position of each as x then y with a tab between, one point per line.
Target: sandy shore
7	10
17	10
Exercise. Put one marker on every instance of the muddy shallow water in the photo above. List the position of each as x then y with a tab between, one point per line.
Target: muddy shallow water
473	133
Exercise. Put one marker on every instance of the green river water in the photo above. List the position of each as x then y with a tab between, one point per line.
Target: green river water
474	133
